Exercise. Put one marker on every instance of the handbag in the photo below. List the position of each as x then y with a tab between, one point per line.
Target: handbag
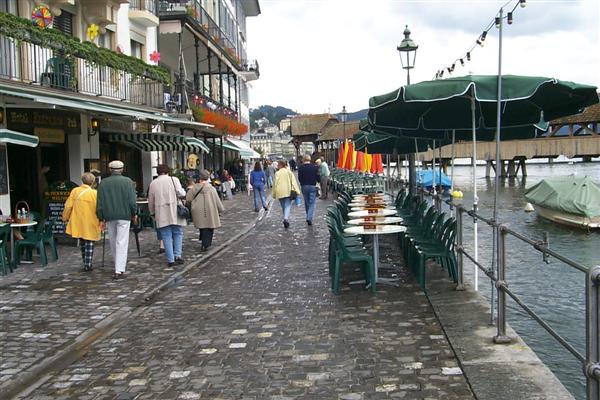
293	193
182	210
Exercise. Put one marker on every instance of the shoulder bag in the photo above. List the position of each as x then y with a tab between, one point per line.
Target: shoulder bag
182	211
293	193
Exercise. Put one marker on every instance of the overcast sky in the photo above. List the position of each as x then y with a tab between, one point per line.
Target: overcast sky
318	55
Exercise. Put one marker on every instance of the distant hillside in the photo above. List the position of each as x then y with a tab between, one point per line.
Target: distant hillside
273	114
354	116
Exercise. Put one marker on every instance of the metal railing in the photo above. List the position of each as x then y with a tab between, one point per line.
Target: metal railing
143	5
590	361
194	9
33	64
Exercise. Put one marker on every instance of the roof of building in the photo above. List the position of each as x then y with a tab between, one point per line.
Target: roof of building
336	131
311	124
590	114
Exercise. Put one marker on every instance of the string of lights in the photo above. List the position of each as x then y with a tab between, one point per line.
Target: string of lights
466	57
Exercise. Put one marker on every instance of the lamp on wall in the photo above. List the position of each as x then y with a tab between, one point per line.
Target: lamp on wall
1	115
94	127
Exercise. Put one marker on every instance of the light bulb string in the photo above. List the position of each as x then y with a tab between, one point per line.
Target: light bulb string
480	39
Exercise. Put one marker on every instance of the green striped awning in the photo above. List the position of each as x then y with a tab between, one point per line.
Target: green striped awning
14	137
160	142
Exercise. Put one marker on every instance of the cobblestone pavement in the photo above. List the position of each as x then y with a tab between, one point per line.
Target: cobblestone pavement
259	322
44	309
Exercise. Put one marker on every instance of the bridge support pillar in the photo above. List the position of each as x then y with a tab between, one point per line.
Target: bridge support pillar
511	169
523	167
488	168
502	169
586	158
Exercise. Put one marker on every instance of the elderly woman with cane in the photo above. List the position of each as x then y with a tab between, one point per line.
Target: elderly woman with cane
82	222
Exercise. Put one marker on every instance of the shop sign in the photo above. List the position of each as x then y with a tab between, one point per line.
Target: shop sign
26	120
50	135
55	198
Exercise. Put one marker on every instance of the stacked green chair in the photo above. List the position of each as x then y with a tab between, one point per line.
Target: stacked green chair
343	254
48	237
4	239
442	250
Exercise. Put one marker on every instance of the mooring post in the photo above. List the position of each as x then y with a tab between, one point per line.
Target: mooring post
501	337
592	336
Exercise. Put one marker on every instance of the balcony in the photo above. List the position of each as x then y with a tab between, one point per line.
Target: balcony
143	12
250	71
51	66
192	9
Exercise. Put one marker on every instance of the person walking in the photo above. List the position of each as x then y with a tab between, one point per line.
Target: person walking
307	175
206	208
80	215
258	179
116	206
163	197
270	173
323	177
285	182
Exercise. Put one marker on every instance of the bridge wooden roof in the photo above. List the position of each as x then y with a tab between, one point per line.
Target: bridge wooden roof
336	131
590	114
311	124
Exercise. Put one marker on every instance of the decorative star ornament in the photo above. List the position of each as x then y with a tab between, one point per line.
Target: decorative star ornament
155	56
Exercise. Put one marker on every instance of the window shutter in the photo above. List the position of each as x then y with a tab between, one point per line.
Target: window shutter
64	23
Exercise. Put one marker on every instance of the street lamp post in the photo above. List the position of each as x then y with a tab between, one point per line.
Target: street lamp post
344	116
408	55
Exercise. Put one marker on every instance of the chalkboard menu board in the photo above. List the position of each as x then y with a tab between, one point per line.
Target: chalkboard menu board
55	198
3	171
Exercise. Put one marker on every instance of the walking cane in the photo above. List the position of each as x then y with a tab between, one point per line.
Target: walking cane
103	242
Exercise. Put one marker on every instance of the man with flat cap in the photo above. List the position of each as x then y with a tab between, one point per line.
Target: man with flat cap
116	206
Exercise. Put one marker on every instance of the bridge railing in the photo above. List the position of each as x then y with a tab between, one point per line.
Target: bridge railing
590	361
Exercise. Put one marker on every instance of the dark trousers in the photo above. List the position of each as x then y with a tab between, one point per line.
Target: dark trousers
206	235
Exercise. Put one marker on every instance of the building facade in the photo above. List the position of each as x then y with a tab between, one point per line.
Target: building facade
97	83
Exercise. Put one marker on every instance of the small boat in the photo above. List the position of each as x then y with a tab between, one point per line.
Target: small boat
568	200
425	179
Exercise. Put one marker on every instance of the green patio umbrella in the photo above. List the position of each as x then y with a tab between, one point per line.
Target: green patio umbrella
383	143
468	102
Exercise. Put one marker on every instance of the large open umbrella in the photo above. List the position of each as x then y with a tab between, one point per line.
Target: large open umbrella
470	103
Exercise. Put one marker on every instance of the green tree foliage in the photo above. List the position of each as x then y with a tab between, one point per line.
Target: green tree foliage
273	113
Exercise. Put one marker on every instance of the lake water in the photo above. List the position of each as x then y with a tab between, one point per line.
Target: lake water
555	291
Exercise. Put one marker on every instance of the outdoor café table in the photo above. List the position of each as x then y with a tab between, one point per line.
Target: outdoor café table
364	203
379	230
12	239
385	212
377	221
366	207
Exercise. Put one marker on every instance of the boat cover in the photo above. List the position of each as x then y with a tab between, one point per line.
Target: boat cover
571	194
425	179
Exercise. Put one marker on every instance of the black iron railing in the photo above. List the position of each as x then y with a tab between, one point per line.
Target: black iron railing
143	5
30	63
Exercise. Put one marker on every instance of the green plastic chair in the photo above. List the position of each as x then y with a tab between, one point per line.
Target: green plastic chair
443	252
4	239
34	241
48	237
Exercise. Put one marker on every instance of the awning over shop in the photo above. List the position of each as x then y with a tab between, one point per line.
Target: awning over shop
21	139
243	148
128	110
160	142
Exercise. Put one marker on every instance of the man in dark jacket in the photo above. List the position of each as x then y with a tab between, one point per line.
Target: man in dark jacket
116	206
307	176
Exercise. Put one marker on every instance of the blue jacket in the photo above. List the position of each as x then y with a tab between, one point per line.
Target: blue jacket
258	178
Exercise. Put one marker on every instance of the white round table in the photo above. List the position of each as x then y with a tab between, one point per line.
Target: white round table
379	230
364	203
358	208
376	221
385	212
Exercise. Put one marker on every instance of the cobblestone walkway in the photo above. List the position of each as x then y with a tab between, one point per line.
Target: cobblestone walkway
257	322
44	309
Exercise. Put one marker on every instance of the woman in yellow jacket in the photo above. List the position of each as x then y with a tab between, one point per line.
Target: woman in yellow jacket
285	182
83	224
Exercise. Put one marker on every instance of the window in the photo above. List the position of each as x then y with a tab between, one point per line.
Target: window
64	22
106	40
137	49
